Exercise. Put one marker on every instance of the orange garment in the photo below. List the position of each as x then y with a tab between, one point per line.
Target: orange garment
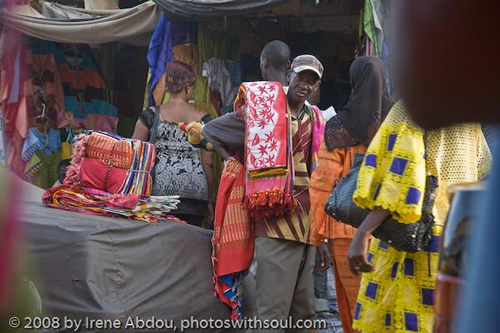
346	283
332	167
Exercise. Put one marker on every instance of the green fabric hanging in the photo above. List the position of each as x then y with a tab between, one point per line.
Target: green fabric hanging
369	26
201	90
210	45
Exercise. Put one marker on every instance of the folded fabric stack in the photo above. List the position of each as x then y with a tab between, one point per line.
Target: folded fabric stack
111	176
95	202
112	164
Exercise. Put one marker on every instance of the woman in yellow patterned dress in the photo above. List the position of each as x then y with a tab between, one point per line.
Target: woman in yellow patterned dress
397	288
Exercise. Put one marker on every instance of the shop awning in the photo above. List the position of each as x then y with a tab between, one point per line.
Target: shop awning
66	24
212	8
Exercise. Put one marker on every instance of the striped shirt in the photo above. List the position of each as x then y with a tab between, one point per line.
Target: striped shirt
296	226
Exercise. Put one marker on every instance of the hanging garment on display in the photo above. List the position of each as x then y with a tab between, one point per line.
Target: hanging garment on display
31	145
47	144
32	168
188	54
47	174
85	94
234	70
160	53
67	86
14	101
170	41
44	84
210	45
219	79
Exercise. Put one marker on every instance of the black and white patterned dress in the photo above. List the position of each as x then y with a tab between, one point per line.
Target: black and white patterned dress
178	169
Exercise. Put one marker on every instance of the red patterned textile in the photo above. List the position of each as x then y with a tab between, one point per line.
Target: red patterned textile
267	149
233	240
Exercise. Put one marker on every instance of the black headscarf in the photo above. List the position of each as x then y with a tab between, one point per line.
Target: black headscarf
369	101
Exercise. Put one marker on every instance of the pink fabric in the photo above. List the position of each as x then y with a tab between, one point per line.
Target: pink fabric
129	201
317	134
105	123
94	191
73	172
97	174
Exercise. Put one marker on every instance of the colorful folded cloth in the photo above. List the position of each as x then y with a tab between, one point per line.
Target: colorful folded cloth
111	163
96	202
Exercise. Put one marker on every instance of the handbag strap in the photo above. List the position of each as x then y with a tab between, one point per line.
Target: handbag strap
153	131
429	267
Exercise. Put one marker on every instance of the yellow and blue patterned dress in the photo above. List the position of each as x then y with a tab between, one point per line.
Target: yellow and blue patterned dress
398	296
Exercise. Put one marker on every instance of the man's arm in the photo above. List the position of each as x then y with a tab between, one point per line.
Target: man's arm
226	133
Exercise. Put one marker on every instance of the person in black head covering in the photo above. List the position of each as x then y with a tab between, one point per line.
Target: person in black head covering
346	134
369	102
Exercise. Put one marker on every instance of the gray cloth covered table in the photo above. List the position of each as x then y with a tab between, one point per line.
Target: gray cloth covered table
101	267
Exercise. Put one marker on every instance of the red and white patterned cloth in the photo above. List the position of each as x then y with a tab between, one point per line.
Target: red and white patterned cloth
268	164
266	125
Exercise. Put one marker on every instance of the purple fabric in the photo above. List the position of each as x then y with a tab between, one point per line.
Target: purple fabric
160	53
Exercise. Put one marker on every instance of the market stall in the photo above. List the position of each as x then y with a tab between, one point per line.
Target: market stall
66	77
123	267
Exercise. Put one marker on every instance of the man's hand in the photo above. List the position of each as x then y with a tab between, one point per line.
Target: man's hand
324	256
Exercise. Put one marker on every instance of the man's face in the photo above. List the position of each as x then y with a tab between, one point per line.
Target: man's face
302	85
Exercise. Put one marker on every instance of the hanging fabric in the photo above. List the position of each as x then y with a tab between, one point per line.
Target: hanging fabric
14	103
160	53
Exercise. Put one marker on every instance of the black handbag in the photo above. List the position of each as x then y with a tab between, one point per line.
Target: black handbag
410	237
